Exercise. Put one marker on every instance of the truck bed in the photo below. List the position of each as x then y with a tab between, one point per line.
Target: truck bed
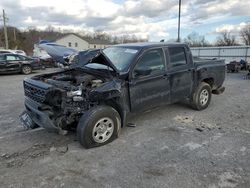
210	68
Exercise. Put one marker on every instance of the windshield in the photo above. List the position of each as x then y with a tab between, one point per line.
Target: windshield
120	57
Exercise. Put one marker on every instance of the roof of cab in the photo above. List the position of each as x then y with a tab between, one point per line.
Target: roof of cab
149	45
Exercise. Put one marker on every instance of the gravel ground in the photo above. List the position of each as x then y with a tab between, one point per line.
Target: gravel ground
173	146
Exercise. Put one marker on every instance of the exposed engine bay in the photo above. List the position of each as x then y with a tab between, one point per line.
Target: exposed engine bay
69	94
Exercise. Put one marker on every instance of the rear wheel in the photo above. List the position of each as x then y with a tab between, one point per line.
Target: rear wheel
26	69
202	96
98	126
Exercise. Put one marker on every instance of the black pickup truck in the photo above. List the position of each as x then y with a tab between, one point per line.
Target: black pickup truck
98	97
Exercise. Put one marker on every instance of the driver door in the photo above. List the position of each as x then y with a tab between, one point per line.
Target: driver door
149	84
12	62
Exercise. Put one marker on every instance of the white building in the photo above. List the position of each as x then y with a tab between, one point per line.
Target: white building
79	43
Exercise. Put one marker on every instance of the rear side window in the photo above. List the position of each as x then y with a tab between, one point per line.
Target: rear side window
177	56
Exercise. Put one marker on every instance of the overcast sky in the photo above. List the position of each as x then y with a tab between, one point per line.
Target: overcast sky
155	19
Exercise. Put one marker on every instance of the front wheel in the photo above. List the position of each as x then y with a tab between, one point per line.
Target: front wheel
202	96
98	126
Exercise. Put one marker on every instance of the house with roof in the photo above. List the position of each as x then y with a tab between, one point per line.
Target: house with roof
79	43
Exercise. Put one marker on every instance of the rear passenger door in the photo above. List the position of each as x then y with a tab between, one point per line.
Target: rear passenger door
180	73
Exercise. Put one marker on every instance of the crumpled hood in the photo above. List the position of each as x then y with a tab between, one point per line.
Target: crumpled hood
101	58
57	52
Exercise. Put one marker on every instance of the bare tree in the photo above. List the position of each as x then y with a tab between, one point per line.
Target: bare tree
196	40
245	34
226	39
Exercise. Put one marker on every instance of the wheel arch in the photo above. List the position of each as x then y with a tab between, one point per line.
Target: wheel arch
209	81
118	107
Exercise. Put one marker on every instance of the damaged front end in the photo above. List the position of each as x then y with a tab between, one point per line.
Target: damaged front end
58	100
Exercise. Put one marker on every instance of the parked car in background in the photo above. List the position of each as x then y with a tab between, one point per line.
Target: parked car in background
234	66
20	52
11	63
6	52
47	62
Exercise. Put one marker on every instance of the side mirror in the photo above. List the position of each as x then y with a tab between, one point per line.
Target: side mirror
142	72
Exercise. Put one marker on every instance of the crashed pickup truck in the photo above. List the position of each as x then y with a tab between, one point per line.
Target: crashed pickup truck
98	97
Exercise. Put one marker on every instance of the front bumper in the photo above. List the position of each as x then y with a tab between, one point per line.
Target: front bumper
42	118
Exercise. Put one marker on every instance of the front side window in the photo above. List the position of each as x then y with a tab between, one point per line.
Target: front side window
151	61
177	56
23	58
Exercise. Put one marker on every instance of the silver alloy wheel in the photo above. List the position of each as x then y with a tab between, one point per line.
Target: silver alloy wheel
204	96
26	70
103	130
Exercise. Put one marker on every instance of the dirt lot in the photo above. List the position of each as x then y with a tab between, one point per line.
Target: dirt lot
174	146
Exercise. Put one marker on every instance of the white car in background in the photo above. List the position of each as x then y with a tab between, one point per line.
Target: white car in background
6	51
20	52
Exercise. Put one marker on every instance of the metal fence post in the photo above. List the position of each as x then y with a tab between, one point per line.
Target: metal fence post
219	52
246	53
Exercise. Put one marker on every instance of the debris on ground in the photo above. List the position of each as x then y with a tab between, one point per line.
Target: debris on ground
184	119
198	124
62	149
131	125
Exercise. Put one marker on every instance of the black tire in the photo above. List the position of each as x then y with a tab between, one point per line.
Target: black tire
88	124
26	69
199	102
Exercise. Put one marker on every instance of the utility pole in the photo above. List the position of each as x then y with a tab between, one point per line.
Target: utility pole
179	21
14	33
5	30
